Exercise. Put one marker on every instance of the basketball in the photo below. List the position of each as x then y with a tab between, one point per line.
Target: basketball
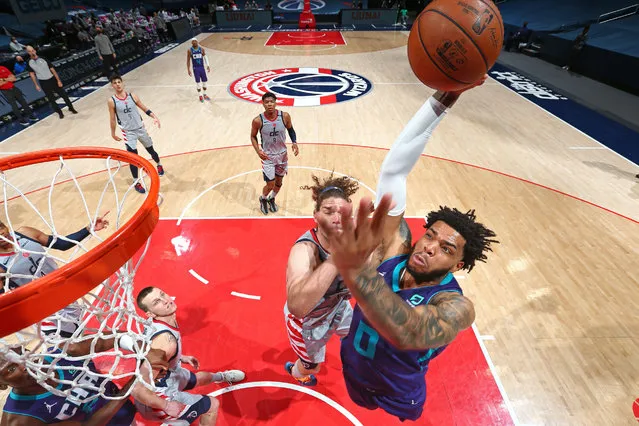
453	43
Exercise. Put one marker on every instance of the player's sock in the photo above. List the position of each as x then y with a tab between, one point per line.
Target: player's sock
309	380
295	372
263	204
271	195
271	202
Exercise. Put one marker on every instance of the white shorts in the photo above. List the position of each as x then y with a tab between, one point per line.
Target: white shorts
131	138
309	342
172	388
276	165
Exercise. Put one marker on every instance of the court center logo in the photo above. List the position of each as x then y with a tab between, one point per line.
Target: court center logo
297	5
301	86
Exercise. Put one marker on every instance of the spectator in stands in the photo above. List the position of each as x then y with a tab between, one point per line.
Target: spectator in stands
43	72
12	93
16	46
20	66
522	37
143	37
84	38
160	25
268	5
577	46
106	53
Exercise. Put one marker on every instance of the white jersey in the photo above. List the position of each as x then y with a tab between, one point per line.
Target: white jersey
31	263
160	327
335	293
273	135
127	114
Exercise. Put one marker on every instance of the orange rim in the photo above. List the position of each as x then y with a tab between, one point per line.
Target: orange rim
42	297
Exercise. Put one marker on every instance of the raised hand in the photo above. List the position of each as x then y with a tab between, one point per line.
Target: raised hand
191	360
101	222
360	236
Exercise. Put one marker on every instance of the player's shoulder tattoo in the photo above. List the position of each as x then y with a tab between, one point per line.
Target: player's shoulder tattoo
405	234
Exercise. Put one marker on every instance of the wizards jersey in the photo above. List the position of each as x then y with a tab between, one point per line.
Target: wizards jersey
374	363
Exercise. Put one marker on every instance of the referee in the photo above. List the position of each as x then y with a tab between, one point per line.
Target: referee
49	80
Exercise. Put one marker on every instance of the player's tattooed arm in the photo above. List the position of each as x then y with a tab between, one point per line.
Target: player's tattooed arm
424	327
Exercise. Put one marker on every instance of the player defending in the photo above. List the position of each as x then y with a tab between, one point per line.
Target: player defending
123	107
165	336
30	261
409	307
197	55
317	303
271	126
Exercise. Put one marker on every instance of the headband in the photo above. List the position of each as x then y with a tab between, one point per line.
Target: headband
329	188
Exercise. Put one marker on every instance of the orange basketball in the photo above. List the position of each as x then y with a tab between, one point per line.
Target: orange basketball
453	43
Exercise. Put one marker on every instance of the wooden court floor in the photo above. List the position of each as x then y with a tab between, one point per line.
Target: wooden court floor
556	300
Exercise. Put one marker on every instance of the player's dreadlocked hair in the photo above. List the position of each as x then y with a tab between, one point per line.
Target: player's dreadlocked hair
340	187
477	236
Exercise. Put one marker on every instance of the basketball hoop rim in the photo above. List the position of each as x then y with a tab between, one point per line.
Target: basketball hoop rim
42	297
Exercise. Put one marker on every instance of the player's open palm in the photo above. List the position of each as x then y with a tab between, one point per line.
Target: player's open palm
192	361
352	248
101	222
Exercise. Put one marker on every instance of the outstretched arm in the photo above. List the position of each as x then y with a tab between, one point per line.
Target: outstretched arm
69	241
400	161
402	158
424	327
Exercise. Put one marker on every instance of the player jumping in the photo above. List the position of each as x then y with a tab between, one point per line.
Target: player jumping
409	307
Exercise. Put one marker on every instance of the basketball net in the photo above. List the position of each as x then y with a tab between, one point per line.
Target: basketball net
106	312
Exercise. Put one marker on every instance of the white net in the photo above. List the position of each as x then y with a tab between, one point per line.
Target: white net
80	350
